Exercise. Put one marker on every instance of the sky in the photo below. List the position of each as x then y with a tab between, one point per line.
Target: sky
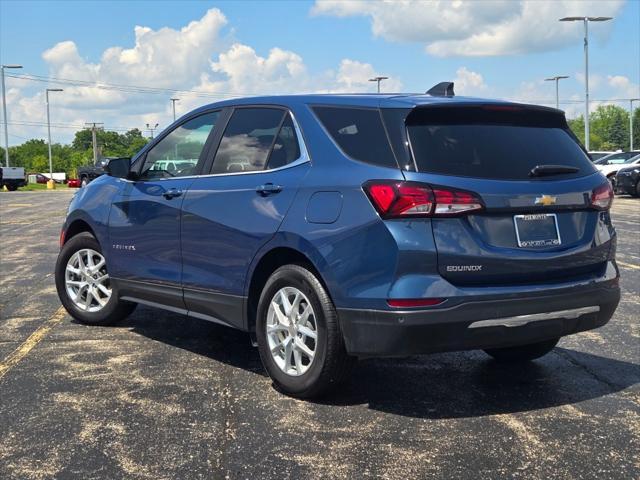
120	62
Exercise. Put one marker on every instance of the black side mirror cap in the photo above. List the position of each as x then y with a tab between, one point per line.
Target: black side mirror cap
118	167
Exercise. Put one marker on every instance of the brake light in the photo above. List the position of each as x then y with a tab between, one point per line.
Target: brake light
398	199
62	235
414	302
602	196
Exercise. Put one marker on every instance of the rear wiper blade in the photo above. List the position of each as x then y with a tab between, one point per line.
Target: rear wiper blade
543	170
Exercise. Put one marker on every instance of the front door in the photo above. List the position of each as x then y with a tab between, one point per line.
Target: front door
144	221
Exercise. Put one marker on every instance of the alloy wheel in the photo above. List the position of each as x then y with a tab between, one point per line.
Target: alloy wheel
292	331
87	281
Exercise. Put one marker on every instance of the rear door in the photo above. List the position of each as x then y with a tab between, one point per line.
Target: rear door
232	212
144	221
535	183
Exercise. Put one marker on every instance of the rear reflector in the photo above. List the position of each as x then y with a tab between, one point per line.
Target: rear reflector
62	234
398	199
414	302
602	196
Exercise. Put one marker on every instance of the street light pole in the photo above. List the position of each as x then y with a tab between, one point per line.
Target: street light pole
151	129
556	79
631	122
4	114
378	79
586	21
50	183
173	104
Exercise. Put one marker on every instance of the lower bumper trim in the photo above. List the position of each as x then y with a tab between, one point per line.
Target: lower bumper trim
520	320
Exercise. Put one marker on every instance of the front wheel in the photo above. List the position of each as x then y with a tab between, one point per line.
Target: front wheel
522	353
84	286
299	338
84	182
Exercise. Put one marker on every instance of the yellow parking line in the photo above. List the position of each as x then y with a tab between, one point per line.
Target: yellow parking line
628	265
33	340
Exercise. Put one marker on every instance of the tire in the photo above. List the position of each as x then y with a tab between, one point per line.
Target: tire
331	364
84	181
637	190
11	187
113	309
522	353
612	181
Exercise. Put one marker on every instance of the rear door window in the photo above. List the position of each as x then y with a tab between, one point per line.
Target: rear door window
493	144
247	140
359	133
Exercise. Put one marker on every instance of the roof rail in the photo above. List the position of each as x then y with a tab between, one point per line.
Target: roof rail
443	89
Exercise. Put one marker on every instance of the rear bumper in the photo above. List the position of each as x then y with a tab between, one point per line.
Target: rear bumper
479	324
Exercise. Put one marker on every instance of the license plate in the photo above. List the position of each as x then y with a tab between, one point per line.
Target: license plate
537	230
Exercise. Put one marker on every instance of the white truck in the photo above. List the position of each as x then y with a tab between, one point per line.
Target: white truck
12	178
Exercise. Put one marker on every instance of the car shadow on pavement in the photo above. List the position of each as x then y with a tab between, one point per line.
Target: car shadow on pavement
446	385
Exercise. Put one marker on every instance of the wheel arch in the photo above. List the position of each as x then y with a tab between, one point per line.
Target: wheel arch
270	260
75	227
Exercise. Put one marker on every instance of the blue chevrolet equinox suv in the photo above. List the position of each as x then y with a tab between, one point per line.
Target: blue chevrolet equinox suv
337	227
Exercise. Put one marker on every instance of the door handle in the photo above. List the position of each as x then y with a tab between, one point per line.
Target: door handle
268	189
172	193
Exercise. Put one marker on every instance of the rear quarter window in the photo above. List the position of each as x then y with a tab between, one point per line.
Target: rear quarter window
359	133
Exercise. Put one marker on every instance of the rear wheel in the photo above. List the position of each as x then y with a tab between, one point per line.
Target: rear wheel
523	353
299	339
84	286
11	187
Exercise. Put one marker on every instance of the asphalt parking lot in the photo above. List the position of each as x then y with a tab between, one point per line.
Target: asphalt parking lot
165	396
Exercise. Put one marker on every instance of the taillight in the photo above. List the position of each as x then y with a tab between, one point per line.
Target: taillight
602	196
397	199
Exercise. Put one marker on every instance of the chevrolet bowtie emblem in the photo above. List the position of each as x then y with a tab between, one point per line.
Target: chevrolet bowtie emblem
546	200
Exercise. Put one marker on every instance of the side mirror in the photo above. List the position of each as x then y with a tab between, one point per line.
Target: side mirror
118	167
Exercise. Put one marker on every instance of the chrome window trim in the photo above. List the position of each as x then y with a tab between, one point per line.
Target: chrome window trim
303	158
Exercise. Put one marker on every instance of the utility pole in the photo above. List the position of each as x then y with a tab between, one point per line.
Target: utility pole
586	21
631	122
50	184
378	79
94	138
556	79
173	104
152	129
6	119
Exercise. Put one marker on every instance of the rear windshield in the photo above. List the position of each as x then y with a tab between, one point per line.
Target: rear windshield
495	144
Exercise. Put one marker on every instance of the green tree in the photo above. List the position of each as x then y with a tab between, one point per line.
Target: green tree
636	129
610	123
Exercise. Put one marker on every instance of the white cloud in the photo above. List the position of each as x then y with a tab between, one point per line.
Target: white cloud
468	82
195	57
623	87
471	27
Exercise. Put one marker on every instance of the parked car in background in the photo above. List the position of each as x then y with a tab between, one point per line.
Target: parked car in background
628	180
42	178
598	154
332	227
618	157
611	168
74	183
12	178
90	172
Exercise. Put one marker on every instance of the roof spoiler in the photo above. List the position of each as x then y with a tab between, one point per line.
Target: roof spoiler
443	89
